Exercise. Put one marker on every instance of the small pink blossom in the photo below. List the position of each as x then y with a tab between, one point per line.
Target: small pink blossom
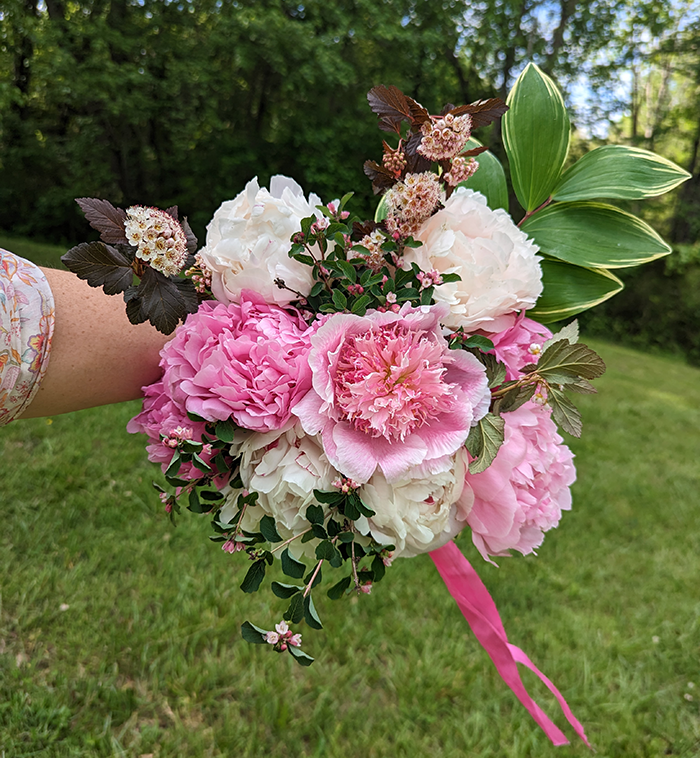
388	393
366	587
461	170
282	637
231	546
412	201
519	344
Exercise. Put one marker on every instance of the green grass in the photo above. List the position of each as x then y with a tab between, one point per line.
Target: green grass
147	658
39	252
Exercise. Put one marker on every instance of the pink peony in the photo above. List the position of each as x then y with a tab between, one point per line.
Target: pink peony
160	418
246	361
388	393
519	344
522	493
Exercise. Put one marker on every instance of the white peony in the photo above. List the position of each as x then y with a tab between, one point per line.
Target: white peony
248	242
498	265
418	514
284	470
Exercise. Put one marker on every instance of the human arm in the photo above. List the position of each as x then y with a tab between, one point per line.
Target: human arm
97	356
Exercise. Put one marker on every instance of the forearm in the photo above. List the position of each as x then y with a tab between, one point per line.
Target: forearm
97	356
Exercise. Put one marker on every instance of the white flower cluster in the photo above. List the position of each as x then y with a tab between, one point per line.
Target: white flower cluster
444	137
158	238
411	202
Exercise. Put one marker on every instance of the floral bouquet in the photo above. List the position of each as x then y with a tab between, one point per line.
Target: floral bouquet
343	393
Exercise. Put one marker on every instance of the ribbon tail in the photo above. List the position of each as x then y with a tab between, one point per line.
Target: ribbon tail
478	608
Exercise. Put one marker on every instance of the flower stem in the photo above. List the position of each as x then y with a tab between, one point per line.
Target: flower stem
532	213
313	578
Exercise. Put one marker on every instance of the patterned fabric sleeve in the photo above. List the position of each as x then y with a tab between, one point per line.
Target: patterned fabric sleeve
26	329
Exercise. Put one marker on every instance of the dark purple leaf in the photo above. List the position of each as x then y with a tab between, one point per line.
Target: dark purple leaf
391	105
172	211
103	216
483	112
189	234
381	177
101	266
162	300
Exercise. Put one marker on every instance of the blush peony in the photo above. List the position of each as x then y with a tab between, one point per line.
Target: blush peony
246	361
522	493
498	265
388	393
165	422
248	242
284	469
419	512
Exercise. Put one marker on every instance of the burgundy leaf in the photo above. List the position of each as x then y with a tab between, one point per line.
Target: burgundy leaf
162	300
101	265
391	105
474	151
419	114
381	177
483	112
172	211
191	239
361	230
103	216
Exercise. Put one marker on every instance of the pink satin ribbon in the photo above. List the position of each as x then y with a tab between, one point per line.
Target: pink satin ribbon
481	614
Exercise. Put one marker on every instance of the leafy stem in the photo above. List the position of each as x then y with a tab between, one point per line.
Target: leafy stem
532	213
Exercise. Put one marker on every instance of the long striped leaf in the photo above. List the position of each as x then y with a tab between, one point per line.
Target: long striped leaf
536	133
568	290
619	172
594	235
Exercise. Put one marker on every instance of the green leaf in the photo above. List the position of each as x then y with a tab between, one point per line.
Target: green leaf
315	515
195	506
514	398
300	656
285	590
339	300
291	566
478	341
174	465
382	209
483	442
378	568
577	360
619	172
269	530
225	430
319	532
327	551
568	290
594	235
489	179
564	412
338	589
329	498
310	615
254	634
295	613
361	507
536	134
351	510
359	306
254	577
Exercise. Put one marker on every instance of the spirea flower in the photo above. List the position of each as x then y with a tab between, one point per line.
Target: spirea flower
460	171
498	265
388	393
246	361
158	237
374	257
248	241
411	202
522	493
421	511
444	137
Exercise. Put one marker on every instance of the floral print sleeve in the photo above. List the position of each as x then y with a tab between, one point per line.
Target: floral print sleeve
26	329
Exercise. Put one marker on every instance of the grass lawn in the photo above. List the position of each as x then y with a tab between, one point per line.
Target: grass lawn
119	634
39	252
